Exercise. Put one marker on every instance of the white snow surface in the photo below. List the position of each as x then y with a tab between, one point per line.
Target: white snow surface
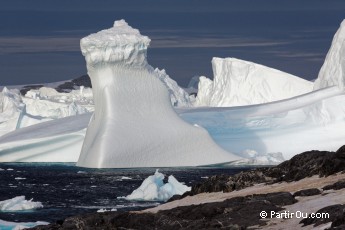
7	225
58	140
154	189
19	203
332	72
312	121
134	123
238	82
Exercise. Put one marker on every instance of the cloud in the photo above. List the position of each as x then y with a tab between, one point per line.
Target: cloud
310	56
210	42
41	44
38	44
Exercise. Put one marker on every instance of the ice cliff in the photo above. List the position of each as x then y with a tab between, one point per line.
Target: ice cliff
134	124
238	82
333	69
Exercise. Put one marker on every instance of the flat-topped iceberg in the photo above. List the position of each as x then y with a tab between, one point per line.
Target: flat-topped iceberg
134	123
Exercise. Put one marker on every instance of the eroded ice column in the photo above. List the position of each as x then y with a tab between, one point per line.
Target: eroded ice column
134	124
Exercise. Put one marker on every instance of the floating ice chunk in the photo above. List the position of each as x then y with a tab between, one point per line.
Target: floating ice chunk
126	178
7	225
20	178
154	189
107	210
19	203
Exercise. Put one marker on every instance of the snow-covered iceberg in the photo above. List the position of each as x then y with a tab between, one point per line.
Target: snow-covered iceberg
237	82
18	204
134	123
332	72
154	189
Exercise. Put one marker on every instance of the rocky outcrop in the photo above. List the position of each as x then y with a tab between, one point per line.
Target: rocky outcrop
308	192
235	213
307	164
336	216
336	186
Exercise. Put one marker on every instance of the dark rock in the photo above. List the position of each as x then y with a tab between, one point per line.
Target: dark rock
335	212
336	186
83	81
277	198
65	87
339	222
174	197
70	85
27	88
307	192
230	183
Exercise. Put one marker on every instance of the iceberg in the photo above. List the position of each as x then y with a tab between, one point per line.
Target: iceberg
18	204
134	123
257	132
238	82
332	72
154	189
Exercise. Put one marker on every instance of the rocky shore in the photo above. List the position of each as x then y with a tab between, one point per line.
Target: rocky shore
311	184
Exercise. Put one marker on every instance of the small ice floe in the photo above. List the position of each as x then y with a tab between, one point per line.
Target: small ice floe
2	169
9	169
126	178
4	225
93	186
20	178
107	210
154	189
204	177
83	172
19	203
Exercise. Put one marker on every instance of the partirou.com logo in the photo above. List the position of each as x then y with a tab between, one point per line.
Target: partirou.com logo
288	215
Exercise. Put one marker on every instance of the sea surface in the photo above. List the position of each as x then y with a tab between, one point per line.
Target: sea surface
66	190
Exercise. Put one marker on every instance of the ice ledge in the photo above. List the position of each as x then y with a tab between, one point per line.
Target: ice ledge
121	44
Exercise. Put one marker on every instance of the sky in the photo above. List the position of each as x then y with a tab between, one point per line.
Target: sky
39	39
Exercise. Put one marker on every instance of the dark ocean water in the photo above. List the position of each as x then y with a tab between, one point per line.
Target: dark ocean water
66	190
